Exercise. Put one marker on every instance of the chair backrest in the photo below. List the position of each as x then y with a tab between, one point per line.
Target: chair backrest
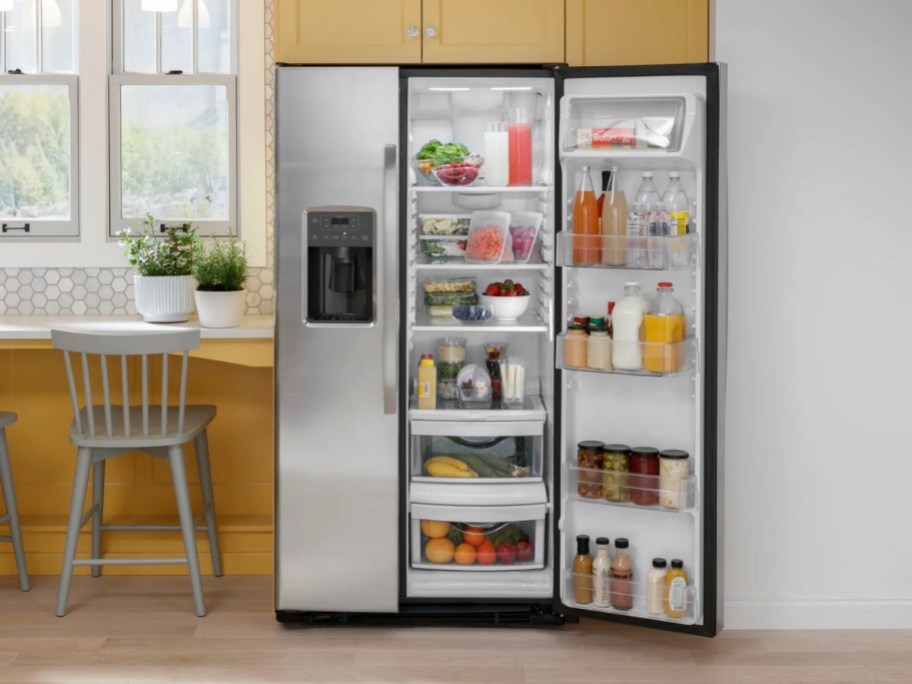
124	344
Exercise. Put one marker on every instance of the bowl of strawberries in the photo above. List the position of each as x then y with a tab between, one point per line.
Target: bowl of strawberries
507	300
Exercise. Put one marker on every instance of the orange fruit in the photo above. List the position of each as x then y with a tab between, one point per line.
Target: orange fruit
487	554
465	554
435	528
439	550
474	535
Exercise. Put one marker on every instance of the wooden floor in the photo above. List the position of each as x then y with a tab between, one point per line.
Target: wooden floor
142	629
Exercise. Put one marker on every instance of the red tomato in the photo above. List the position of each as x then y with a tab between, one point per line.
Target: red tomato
487	554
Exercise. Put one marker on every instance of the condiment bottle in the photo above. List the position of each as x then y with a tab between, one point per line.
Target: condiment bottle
621	577
644	471
673	468
663	328
589	480
582	571
576	347
427	382
676	590
586	250
655	587
615	466
627	321
614	223
601	573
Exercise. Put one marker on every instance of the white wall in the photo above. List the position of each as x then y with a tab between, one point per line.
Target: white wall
819	451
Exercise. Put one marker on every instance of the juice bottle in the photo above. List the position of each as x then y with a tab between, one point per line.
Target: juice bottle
586	250
520	140
676	590
497	154
614	223
427	382
663	325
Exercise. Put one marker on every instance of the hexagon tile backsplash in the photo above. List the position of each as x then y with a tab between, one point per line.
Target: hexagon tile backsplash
97	291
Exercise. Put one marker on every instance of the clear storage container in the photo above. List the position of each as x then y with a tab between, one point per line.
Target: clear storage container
489	237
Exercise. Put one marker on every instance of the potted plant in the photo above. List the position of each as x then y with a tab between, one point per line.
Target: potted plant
162	280
220	269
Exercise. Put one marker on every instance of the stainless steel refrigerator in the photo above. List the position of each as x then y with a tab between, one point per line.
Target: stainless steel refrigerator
365	527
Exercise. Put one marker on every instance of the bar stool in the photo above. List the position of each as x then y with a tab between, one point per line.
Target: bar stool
107	430
9	497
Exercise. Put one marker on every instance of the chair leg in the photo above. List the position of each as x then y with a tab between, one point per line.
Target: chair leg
80	483
202	462
182	494
98	480
9	496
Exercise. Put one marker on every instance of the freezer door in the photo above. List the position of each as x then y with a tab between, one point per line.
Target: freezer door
337	524
663	120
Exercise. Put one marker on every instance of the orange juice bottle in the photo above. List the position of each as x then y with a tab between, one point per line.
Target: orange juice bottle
586	250
663	325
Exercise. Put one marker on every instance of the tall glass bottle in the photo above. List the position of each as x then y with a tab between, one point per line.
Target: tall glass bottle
614	223
627	321
586	249
582	571
601	573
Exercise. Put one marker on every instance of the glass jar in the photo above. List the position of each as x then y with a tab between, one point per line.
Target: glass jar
615	466
575	347
674	466
495	355
644	471
451	353
598	348
589	481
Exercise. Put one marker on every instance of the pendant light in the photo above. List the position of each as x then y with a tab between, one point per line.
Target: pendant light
159	5
185	16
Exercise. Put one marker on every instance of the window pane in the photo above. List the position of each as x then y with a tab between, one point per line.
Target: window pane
174	151
58	26
138	38
35	151
22	38
214	37
177	44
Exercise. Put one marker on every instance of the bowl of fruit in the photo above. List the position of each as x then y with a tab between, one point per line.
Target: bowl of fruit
507	300
462	173
435	155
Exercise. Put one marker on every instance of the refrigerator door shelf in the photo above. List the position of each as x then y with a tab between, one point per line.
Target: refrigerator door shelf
585	587
612	488
531	491
632	253
502	526
466	420
673	359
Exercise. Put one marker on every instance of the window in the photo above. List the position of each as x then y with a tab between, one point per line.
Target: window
38	119
173	114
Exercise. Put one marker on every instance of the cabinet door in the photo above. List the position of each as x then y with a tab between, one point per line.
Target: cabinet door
493	31
347	31
619	32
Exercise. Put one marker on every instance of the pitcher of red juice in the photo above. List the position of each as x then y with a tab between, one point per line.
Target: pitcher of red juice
520	141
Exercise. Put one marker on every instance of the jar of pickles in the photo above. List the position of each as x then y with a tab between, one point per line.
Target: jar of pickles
615	466
643	480
673	468
588	477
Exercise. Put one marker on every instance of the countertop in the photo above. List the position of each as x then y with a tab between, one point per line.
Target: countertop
39	327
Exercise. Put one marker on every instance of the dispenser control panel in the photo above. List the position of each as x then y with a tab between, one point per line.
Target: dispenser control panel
338	229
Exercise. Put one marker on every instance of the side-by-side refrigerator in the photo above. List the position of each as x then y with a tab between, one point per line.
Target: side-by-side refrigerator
545	436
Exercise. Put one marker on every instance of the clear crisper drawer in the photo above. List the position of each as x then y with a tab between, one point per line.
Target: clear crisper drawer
655	359
623	251
474	452
616	488
477	538
624	597
623	123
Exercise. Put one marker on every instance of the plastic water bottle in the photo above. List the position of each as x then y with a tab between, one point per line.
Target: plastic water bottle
677	204
659	229
647	193
637	232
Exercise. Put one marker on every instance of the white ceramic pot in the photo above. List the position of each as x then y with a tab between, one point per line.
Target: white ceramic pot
163	299
220	309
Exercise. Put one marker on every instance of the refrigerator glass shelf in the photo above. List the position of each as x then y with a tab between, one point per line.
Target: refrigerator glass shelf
666	359
528	322
595	486
634	590
630	253
533	410
459	264
481	189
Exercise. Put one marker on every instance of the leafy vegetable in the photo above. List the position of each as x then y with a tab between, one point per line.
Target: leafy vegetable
443	153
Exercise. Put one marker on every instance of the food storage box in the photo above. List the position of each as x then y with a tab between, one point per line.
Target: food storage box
443	224
443	247
450	298
449	285
525	236
477	538
489	237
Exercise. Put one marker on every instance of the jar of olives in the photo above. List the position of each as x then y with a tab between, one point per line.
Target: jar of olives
615	466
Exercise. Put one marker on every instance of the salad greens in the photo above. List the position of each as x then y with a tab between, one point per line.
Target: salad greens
443	153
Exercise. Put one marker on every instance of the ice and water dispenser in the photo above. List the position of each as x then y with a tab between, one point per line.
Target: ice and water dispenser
340	264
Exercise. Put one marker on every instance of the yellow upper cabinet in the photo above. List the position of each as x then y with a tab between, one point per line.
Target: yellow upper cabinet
347	31
493	31
617	32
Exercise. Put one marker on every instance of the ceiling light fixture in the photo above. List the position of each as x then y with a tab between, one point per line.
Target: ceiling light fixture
185	15
159	5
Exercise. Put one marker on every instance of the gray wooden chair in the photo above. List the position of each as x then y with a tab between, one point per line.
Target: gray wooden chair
103	431
11	517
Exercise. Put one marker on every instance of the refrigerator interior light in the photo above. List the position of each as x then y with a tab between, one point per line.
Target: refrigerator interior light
511	88
185	15
448	89
159	5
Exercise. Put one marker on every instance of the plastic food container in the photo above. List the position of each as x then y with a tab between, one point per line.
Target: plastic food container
489	233
443	224
424	171
441	285
451	353
440	247
474	386
525	235
450	298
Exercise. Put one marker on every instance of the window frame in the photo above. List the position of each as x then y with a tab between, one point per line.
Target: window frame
27	227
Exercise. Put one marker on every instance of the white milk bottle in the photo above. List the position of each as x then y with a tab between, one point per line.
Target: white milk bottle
497	154
627	321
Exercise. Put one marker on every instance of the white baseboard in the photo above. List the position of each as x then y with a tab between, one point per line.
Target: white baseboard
762	613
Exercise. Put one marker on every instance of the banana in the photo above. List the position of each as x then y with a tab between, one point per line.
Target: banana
455	462
442	469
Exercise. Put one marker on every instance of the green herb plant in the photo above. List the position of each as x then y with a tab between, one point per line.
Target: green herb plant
221	266
172	255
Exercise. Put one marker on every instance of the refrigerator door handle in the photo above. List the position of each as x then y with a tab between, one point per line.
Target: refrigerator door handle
389	319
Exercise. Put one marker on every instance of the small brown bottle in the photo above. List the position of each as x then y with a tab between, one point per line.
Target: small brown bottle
582	571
